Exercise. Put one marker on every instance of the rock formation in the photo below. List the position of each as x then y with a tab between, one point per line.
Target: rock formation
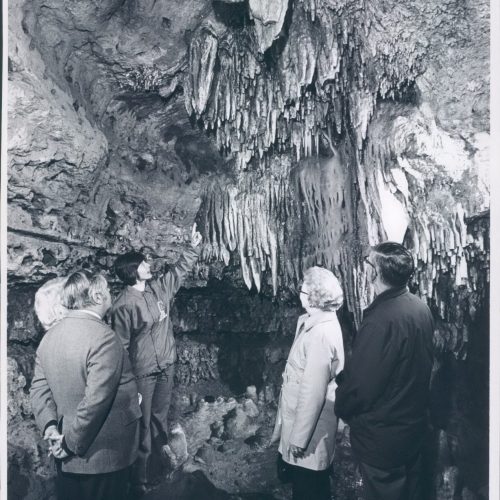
294	133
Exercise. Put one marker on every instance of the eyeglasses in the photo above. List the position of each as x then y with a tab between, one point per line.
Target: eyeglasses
369	262
365	259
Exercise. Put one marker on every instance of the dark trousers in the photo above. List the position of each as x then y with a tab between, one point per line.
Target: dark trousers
310	484
156	393
398	483
110	486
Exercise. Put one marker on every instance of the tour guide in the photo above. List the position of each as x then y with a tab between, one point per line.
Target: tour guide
141	317
384	390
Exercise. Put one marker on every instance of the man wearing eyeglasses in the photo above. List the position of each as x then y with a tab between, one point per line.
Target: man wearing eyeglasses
384	390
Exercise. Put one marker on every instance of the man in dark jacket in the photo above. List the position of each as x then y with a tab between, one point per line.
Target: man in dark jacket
384	390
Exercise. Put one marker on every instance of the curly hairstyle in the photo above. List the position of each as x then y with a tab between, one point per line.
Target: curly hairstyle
324	289
49	306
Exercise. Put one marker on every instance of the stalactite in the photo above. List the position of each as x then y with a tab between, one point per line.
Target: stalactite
323	82
404	146
283	220
240	218
332	68
269	18
202	55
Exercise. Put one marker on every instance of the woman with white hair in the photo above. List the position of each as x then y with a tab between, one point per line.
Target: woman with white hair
48	302
306	423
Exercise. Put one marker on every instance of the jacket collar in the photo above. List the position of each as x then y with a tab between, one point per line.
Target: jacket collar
134	291
82	315
311	320
386	295
137	293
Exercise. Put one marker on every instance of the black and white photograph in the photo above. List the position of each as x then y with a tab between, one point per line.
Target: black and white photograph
246	250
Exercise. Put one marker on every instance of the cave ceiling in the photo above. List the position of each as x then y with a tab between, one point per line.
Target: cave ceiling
293	132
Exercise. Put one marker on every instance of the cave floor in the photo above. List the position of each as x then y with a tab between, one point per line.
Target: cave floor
245	468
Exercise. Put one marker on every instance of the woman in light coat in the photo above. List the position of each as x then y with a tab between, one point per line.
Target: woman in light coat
306	423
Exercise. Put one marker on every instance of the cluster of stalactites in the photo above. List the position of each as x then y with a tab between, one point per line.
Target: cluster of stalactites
249	109
330	232
458	302
405	152
327	74
243	219
440	248
279	224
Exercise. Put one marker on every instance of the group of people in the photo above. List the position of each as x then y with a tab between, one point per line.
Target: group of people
382	392
101	393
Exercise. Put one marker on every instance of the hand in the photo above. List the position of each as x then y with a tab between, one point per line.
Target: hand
57	449
295	452
51	434
139	396
60	454
195	237
54	438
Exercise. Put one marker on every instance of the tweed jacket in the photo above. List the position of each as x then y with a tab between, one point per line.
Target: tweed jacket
142	319
83	380
308	392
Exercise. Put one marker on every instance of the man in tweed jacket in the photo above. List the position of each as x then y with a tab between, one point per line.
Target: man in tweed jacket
84	396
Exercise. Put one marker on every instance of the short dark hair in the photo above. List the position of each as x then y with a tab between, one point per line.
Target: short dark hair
126	267
394	262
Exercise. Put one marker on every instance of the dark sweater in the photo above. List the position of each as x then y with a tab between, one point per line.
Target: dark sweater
384	390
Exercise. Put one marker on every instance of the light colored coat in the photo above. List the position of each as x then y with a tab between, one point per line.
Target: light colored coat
308	392
83	381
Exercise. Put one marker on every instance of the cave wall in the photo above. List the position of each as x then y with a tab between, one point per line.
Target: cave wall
99	159
293	133
459	408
